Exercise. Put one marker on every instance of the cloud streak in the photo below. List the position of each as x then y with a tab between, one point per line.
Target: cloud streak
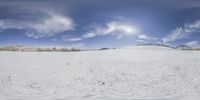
68	38
46	27
115	27
192	43
118	29
182	32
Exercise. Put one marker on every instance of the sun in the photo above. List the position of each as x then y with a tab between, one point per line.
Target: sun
130	30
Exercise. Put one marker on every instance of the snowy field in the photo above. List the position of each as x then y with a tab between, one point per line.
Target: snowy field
132	73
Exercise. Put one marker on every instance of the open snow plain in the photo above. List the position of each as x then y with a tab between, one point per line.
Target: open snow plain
133	73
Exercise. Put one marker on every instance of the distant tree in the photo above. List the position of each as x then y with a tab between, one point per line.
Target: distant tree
104	49
75	49
54	49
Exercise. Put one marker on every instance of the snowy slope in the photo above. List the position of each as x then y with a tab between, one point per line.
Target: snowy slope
138	72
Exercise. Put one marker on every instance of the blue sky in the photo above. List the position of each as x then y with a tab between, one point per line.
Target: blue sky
99	23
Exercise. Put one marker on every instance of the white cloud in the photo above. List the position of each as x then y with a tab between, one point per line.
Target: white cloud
10	24
70	38
142	36
145	37
174	35
47	27
180	33
75	39
114	27
192	43
120	29
51	26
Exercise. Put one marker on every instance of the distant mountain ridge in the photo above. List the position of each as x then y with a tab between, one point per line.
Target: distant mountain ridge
156	44
180	47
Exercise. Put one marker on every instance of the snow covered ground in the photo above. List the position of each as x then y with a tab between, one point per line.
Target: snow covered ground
138	72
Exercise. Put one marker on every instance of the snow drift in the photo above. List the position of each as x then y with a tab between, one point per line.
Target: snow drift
140	72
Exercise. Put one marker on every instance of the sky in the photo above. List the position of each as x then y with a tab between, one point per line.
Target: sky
99	23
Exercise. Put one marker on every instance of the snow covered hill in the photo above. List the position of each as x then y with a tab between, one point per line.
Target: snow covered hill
138	72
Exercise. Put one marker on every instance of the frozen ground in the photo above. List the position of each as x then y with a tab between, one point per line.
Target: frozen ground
140	72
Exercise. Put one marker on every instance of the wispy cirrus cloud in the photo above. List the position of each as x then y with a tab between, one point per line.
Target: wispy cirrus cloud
75	39
115	27
49	26
145	37
118	29
182	32
192	43
69	38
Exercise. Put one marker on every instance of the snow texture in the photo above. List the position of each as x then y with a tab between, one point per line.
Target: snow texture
131	73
